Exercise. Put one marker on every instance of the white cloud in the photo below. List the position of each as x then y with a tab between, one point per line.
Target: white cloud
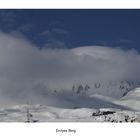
54	31
24	69
55	38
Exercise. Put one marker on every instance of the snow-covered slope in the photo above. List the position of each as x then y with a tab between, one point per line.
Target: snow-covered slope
39	113
69	99
131	99
133	94
114	89
71	107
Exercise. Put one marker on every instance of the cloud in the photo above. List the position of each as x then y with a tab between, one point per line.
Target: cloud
26	71
26	28
54	31
55	37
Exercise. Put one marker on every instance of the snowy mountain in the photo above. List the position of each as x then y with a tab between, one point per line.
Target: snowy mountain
96	102
131	99
69	106
83	95
41	113
114	89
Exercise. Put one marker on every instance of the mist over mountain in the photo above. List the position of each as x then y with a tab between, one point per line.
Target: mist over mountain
27	72
93	83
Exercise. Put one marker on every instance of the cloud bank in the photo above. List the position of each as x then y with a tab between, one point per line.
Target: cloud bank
26	71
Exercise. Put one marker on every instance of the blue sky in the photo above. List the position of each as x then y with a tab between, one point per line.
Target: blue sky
73	28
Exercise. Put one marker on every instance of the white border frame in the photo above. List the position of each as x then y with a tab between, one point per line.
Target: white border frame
45	131
77	4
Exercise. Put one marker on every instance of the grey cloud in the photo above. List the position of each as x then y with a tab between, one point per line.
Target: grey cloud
26	71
